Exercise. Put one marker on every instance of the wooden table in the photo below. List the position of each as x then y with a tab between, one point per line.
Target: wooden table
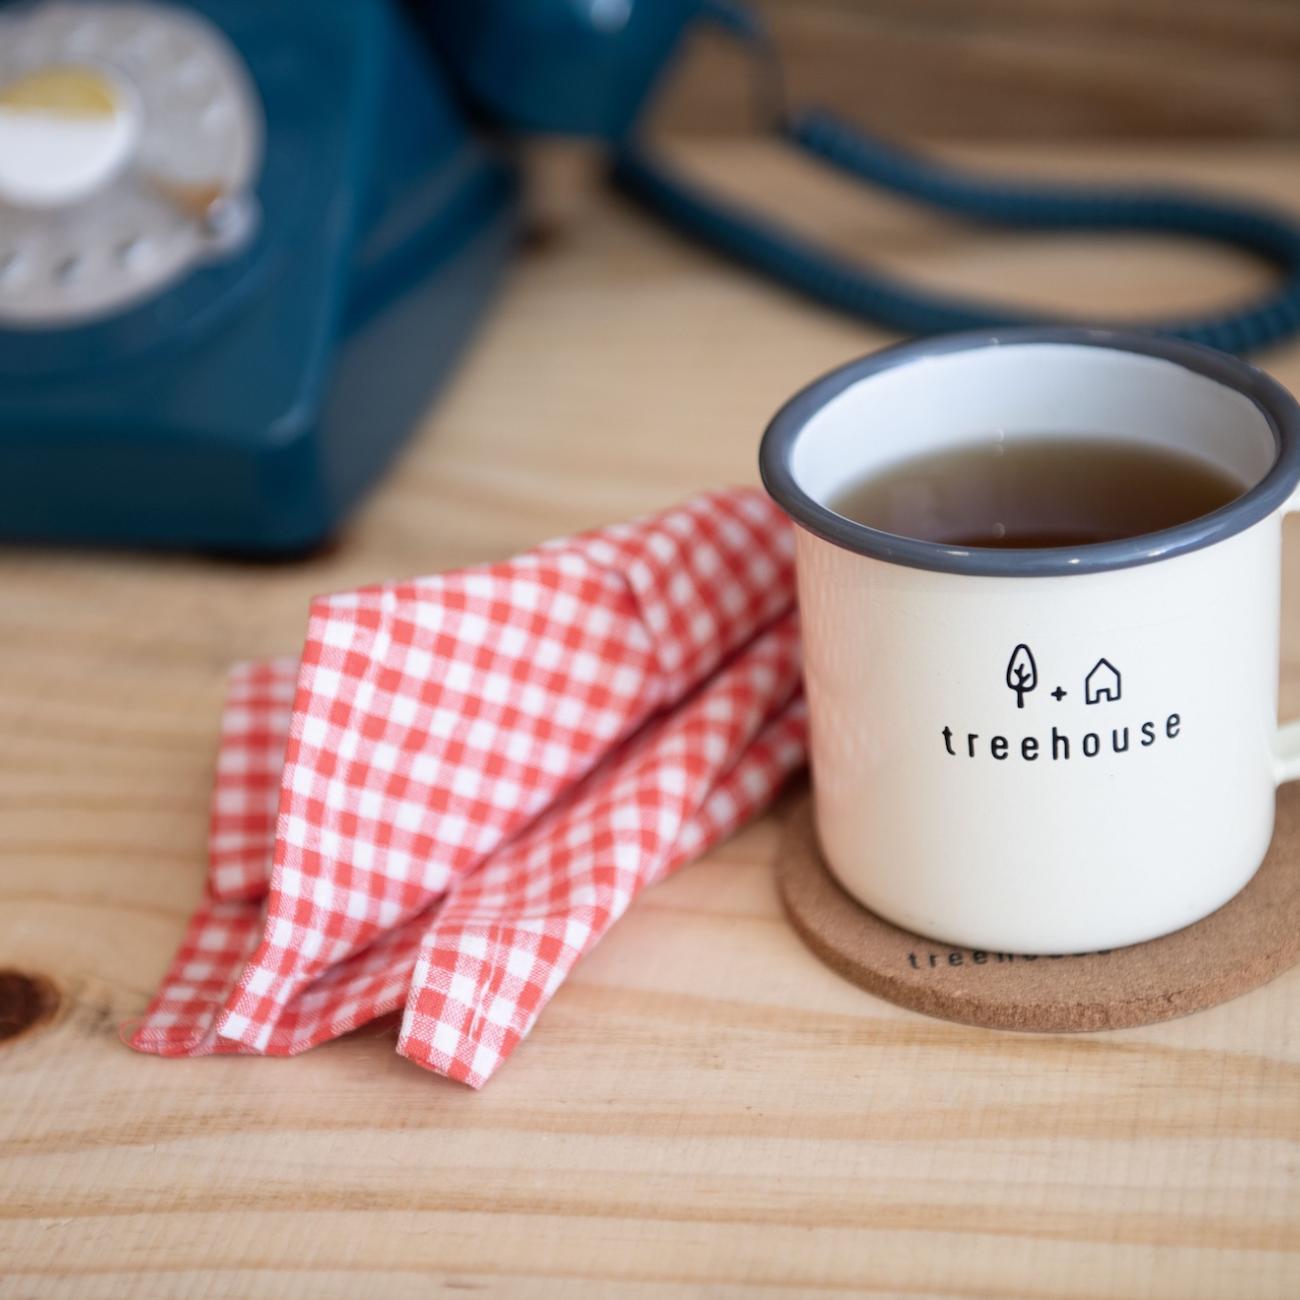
703	1110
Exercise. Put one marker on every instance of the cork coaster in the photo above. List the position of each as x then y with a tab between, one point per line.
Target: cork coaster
1247	942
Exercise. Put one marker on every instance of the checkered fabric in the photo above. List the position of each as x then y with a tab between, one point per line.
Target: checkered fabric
467	778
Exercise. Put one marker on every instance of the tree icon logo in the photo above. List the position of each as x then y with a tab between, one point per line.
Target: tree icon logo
1022	673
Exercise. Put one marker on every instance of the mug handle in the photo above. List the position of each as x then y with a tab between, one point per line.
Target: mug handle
1286	746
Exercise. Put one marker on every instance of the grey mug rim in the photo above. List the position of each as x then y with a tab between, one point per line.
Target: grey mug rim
1273	401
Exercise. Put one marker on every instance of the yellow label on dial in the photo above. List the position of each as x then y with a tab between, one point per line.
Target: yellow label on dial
61	92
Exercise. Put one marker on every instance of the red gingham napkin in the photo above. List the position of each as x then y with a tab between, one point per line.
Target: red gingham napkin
467	778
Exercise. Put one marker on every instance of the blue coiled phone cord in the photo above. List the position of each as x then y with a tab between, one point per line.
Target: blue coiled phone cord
863	291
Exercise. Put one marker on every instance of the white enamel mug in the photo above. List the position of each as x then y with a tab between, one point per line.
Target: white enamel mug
1042	750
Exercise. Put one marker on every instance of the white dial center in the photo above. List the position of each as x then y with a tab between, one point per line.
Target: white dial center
65	131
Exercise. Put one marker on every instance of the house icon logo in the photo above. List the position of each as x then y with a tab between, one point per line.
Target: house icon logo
1102	683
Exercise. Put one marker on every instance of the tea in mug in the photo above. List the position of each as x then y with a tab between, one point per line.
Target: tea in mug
1038	492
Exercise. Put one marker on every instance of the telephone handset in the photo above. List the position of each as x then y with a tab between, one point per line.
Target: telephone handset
588	67
241	242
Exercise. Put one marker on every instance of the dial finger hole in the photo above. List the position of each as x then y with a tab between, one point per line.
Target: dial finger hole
84	38
131	252
68	270
12	266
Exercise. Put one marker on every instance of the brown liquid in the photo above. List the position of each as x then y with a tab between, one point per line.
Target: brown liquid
1028	491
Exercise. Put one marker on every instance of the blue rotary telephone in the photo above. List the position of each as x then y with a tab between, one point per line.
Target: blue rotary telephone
241	241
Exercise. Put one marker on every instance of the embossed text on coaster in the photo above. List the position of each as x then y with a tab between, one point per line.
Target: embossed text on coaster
1247	942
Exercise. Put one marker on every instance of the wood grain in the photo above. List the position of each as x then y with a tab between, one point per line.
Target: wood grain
703	1110
1016	69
